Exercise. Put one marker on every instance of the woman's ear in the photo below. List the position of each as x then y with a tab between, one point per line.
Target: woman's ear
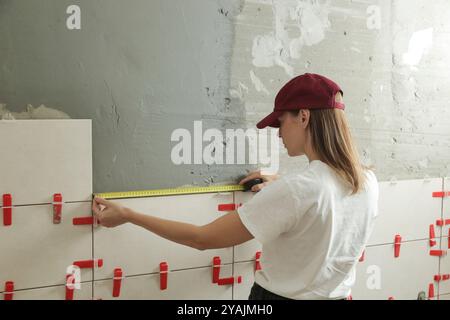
304	117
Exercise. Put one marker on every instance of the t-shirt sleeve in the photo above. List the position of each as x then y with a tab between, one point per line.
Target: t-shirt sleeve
271	212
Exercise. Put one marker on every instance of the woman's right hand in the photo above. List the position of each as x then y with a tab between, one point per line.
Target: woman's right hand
267	179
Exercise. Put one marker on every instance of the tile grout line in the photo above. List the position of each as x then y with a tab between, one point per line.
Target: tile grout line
392	243
45	204
440	242
43	287
93	255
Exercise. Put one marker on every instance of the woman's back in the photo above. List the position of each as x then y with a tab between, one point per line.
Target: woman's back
313	232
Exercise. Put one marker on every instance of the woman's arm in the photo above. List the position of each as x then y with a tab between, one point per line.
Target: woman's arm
224	232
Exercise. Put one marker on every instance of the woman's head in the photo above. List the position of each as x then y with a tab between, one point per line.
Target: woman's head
309	110
294	126
299	127
323	134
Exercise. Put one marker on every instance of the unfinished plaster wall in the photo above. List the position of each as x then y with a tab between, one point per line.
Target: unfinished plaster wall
390	57
142	69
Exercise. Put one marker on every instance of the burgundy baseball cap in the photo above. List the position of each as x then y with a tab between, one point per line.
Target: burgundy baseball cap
308	91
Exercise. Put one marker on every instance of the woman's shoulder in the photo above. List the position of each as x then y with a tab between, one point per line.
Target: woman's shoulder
371	183
371	177
306	174
319	175
304	181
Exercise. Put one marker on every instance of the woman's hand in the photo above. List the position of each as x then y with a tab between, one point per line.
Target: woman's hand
111	215
267	179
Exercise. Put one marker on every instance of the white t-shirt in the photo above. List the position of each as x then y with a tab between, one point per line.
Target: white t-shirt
312	231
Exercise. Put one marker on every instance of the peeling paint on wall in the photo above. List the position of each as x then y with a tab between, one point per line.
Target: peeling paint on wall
239	92
420	43
259	86
390	57
279	47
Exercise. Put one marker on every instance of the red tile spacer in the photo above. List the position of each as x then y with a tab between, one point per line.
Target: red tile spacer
432	236
230	280
397	243
437	253
438	195
9	290
163	271
430	291
70	283
448	239
89	264
216	269
7	210
443	277
391	298
257	261
81	221
350	297
117	282
57	208
226	207
361	259
441	194
442	222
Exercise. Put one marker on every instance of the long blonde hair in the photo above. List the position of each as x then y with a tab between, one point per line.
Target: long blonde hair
332	141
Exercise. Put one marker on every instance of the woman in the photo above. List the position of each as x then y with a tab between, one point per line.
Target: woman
314	224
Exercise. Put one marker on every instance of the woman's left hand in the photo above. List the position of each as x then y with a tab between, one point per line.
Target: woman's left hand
111	215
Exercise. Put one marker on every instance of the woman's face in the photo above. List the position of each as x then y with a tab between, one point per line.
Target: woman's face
293	132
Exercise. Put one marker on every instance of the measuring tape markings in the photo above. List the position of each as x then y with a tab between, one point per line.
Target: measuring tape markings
169	192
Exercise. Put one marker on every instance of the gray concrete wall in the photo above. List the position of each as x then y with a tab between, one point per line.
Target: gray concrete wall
141	69
396	78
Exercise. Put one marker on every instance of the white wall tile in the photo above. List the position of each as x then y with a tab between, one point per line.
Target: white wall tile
406	208
381	275
444	267
44	157
138	251
35	252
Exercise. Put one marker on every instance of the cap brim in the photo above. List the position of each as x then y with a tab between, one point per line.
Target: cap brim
270	121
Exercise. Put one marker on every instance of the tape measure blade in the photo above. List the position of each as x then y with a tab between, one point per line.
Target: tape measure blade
168	192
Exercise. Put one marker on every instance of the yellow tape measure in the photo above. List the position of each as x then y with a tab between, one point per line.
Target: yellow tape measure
169	192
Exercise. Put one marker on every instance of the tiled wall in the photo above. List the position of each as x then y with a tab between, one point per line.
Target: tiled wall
40	159
35	252
402	257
